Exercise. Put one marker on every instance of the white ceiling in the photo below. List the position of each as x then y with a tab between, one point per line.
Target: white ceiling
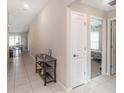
100	4
19	17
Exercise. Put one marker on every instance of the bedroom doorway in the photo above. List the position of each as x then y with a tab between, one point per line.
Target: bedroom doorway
96	27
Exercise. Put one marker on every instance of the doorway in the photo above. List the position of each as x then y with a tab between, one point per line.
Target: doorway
96	29
113	48
78	48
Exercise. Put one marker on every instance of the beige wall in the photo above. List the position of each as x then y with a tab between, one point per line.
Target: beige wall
33	40
49	31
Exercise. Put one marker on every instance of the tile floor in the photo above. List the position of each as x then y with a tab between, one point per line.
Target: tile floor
23	79
95	68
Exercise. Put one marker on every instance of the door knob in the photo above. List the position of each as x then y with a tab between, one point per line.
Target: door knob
75	55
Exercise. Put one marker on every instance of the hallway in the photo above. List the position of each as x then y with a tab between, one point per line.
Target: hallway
23	79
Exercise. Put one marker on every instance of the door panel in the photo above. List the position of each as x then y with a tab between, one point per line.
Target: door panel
78	44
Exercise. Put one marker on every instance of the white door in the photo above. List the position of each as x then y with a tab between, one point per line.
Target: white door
113	47
78	48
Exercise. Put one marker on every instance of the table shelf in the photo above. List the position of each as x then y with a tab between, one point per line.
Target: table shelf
46	68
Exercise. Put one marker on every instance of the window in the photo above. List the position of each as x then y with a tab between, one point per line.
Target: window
14	40
11	41
95	40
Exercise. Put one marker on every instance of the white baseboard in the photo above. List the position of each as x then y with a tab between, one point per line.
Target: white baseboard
63	87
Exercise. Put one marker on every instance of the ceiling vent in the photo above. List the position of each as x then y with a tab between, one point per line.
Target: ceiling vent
112	3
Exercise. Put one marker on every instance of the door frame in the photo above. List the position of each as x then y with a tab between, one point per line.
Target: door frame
69	53
109	44
104	67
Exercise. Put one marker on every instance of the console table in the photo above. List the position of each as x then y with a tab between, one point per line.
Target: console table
46	67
